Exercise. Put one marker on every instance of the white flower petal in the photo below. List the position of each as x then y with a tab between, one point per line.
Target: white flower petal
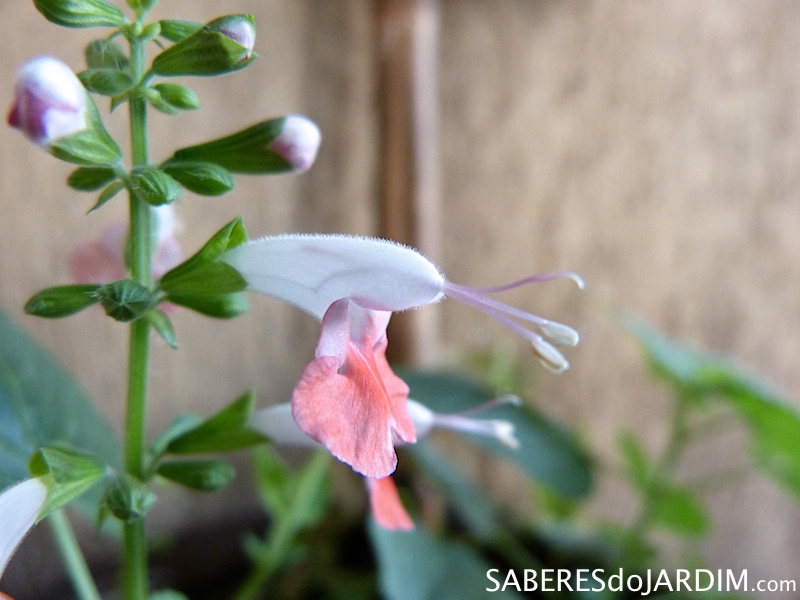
314	271
19	507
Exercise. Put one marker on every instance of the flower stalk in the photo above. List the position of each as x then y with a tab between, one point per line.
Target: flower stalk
140	236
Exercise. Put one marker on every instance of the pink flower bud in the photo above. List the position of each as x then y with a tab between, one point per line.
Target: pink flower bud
298	142
240	29
49	101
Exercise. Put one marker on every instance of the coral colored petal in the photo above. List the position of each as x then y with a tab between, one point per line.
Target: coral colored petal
348	412
404	429
386	506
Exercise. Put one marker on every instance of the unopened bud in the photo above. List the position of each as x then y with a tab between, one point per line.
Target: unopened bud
298	142
239	28
49	101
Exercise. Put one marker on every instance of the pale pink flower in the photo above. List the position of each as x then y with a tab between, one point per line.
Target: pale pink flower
49	101
348	398
103	260
277	423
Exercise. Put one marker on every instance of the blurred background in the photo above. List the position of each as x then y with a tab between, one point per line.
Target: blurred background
652	147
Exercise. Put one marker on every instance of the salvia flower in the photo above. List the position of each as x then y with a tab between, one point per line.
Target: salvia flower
348	398
49	101
103	260
20	506
278	424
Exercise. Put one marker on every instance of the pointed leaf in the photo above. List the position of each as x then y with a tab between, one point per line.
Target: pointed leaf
200	475
108	82
218	306
80	13
90	179
225	431
108	193
105	54
175	30
62	301
203	178
69	475
163	326
230	236
680	511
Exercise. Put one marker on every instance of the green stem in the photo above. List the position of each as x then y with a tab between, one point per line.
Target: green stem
678	435
77	569
140	257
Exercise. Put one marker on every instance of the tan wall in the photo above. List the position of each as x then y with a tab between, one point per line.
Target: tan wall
650	146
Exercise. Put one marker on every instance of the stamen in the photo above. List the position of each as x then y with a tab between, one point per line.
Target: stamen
502	431
553	331
534	279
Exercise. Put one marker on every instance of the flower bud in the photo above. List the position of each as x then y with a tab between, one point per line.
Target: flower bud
283	145
239	28
221	46
297	143
80	13
49	101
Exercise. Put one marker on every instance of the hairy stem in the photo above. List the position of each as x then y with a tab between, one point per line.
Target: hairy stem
140	257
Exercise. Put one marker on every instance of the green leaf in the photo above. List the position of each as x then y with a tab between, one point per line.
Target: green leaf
62	301
247	151
637	463
178	96
90	179
180	425
69	476
416	565
125	300
212	278
107	82
230	236
203	178
129	499
105	54
201	475
679	510
206	52
154	186
547	452
91	147
163	326
175	30
41	405
217	306
774	424
108	193
80	13
225	431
